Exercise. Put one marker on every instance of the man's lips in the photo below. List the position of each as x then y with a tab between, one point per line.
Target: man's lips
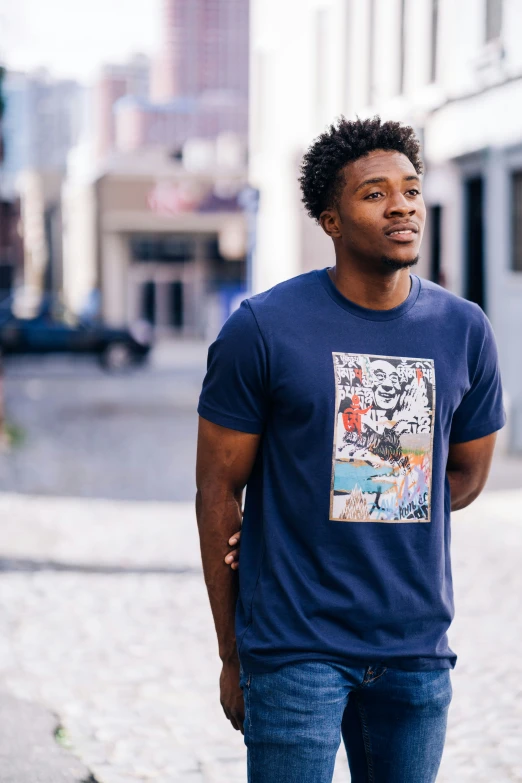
402	232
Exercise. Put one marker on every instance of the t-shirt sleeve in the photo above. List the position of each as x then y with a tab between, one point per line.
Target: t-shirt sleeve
234	393
481	410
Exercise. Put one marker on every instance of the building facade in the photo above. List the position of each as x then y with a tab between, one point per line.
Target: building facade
116	82
152	241
204	48
42	121
11	246
140	124
197	85
454	72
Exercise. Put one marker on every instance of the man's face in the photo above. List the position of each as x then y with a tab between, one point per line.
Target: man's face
381	197
350	416
386	384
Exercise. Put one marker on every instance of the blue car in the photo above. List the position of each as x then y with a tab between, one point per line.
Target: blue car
48	333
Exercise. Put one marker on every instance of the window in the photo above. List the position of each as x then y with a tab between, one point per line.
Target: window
402	45
167	248
371	52
434	39
435	244
474	228
259	102
321	68
516	217
493	19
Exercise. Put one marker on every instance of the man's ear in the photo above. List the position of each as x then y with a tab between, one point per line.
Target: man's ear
330	222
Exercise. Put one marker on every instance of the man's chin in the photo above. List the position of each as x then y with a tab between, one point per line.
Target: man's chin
398	263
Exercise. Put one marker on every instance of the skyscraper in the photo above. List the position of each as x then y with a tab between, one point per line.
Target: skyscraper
198	82
42	121
204	48
115	82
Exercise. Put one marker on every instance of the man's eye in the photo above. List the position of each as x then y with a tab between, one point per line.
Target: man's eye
371	195
414	191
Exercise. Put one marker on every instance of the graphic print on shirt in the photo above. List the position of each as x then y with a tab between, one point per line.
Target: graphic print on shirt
383	438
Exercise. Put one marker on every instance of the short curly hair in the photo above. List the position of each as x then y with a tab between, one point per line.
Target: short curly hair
321	177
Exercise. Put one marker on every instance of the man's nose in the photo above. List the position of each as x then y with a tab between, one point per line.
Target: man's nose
400	205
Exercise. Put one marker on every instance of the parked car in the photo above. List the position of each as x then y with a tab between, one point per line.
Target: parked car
53	330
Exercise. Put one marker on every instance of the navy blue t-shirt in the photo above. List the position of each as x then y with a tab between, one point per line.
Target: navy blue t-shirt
345	547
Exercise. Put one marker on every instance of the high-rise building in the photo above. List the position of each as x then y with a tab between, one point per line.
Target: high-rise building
141	124
130	79
198	82
42	121
204	48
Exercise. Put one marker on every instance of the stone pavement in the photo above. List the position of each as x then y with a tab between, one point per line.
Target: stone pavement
104	620
29	752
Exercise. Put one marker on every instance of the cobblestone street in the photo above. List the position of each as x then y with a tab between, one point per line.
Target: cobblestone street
112	631
104	615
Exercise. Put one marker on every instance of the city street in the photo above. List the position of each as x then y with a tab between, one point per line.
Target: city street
87	433
104	615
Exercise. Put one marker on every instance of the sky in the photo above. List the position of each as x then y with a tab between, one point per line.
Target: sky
72	38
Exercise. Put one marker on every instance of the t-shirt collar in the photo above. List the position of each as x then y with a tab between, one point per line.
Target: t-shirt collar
365	312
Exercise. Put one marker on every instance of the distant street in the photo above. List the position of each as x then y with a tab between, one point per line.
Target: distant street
105	621
87	433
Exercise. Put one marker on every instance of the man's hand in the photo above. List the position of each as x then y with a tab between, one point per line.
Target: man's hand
233	557
232	695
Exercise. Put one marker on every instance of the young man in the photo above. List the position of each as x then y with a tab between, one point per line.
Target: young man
358	404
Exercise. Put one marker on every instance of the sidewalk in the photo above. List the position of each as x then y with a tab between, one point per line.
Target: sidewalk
29	752
105	621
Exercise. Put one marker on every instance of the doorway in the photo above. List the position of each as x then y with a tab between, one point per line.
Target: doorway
161	303
474	238
435	243
167	296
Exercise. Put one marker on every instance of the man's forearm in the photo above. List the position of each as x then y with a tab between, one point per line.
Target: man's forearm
468	468
464	488
218	514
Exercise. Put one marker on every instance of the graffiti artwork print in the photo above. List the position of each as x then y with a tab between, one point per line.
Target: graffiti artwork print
383	438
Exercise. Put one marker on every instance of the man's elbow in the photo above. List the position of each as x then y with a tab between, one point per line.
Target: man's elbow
468	490
466	500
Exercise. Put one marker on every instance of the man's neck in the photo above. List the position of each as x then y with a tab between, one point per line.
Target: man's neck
376	291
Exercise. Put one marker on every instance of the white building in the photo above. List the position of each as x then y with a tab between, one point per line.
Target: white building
454	72
42	122
154	238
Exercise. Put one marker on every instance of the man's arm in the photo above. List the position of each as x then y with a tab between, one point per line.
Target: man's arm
225	459
468	468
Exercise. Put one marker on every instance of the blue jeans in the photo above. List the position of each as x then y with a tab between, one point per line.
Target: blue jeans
393	723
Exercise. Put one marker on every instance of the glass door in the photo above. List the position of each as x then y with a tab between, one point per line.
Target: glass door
165	295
